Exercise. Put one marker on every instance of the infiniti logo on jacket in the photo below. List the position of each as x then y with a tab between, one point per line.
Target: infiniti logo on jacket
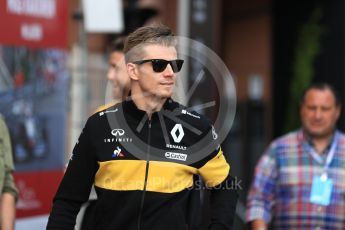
118	132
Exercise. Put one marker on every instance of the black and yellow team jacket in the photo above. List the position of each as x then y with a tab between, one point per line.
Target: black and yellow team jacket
143	171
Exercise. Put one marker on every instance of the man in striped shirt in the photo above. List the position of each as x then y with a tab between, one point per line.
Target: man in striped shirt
299	181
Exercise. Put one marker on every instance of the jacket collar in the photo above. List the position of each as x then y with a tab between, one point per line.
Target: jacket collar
131	109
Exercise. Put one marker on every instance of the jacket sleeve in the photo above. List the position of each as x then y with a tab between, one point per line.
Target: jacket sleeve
76	184
261	195
216	175
9	186
223	194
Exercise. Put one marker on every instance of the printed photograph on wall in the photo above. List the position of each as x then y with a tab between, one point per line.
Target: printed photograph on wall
33	93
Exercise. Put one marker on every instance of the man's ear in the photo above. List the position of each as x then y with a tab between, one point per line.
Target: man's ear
132	71
338	111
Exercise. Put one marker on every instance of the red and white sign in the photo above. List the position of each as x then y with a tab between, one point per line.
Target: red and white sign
34	23
36	191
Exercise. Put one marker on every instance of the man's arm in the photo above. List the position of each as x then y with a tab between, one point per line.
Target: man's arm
8	186
262	191
223	194
8	202
75	186
7	211
9	191
223	200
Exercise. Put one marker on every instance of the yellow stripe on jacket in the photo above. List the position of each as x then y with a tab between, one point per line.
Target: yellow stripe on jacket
124	175
164	177
215	171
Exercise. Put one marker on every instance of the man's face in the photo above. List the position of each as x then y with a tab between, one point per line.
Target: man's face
159	84
319	113
117	74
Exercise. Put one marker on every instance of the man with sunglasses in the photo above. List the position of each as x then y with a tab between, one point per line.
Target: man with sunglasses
138	153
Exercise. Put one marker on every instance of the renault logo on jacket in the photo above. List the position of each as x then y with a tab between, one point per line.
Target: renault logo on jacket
177	133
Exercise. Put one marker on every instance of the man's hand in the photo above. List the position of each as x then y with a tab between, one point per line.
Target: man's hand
259	225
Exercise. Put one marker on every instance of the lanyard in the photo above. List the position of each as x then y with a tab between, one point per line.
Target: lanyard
329	158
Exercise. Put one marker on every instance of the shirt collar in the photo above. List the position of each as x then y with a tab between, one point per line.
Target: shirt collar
306	139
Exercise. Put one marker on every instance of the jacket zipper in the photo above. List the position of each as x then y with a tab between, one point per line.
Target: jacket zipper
146	175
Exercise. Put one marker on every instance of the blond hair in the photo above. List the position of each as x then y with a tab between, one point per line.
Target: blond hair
147	35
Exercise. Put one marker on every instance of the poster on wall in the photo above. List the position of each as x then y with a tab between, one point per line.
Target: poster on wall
33	100
34	85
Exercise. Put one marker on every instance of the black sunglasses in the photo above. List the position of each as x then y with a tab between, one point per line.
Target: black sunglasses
159	65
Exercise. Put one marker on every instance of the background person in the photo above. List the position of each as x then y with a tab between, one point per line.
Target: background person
299	182
120	82
117	73
8	189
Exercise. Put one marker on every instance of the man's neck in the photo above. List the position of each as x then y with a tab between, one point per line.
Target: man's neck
148	103
321	143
